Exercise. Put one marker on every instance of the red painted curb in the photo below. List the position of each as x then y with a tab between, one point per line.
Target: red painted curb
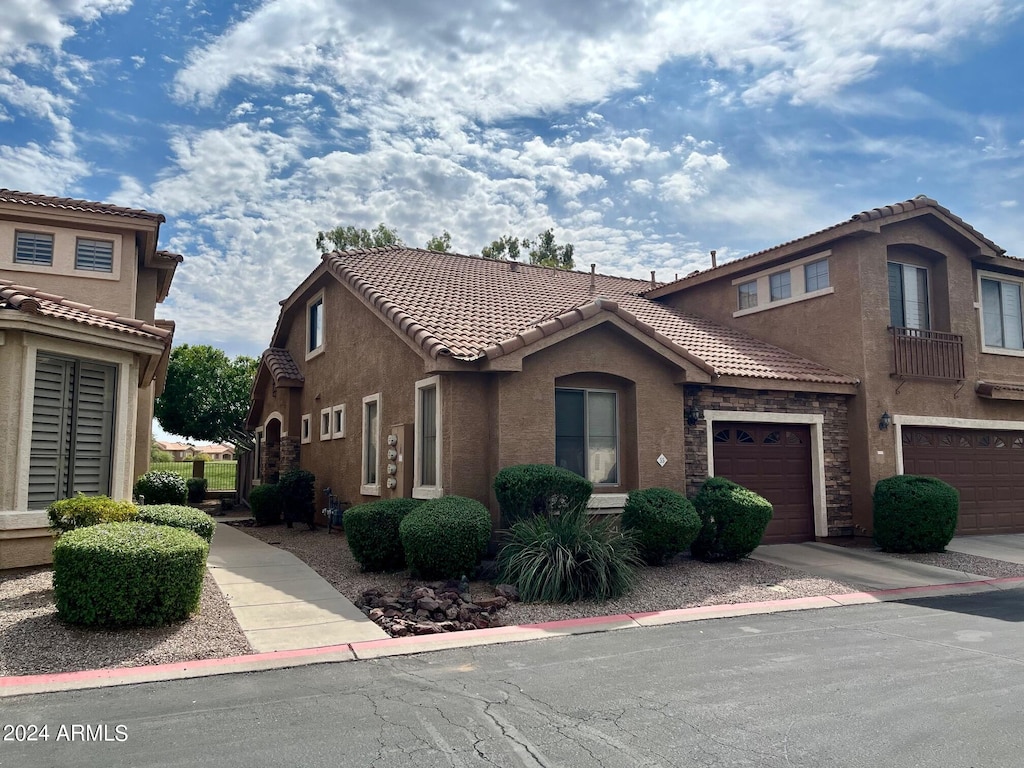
227	661
427	640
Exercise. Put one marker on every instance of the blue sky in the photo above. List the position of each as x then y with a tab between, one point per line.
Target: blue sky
646	133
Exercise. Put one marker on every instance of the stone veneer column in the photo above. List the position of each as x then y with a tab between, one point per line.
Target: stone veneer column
289	454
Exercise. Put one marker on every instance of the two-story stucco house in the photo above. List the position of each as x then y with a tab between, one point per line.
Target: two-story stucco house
891	342
82	356
925	312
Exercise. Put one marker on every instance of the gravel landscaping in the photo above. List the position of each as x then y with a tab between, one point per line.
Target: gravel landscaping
33	640
683	583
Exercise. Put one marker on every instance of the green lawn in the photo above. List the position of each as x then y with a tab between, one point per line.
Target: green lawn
220	475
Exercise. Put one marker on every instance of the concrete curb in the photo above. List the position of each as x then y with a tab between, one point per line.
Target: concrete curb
401	646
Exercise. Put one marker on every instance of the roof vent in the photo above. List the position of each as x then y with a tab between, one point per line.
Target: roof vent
593	279
654	283
513	265
714	259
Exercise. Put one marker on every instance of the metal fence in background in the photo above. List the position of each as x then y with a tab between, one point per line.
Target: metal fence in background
220	475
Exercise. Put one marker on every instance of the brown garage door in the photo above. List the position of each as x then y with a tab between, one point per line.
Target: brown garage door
987	467
775	461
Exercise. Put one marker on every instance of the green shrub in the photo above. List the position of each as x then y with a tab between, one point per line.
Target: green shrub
914	513
128	574
296	488
188	518
196	489
445	538
67	514
525	490
663	522
568	557
265	503
733	520
372	533
159	487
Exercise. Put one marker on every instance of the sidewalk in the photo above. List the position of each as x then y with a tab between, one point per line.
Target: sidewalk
281	603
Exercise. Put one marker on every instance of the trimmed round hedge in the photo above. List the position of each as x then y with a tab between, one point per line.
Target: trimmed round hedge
524	490
372	533
160	487
445	538
733	520
68	514
128	574
663	523
175	516
265	504
196	489
914	513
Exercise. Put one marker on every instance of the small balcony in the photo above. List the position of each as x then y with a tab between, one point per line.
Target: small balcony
920	354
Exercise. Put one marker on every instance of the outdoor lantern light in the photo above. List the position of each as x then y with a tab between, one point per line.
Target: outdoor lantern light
693	414
885	421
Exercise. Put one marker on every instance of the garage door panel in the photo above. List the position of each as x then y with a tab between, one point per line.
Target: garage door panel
987	467
773	460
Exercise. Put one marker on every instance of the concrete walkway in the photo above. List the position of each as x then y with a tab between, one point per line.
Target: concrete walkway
1007	547
281	603
861	568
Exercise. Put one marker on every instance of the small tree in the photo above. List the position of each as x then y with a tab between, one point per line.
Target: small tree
355	239
207	394
442	242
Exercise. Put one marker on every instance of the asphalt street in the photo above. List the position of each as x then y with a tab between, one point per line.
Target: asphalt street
934	682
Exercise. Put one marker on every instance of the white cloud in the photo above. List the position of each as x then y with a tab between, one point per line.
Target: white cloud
526	59
47	23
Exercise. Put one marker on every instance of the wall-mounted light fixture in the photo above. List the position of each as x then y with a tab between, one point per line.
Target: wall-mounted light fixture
693	414
884	421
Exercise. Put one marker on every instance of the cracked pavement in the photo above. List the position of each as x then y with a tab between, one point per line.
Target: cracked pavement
931	682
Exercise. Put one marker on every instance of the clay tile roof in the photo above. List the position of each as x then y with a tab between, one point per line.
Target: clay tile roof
472	308
282	367
874	214
72	204
35	302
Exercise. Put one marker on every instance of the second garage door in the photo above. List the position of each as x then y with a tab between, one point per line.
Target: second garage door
773	460
986	467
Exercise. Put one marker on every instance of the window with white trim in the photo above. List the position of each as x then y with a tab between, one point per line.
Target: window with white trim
781	286
315	325
306	430
94	255
371	445
1002	320
33	248
337	422
427	456
747	294
908	296
71	448
587	434
325	424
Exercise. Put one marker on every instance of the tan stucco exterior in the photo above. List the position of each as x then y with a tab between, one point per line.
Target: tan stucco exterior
847	330
132	288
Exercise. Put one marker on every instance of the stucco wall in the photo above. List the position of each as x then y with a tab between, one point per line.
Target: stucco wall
11	356
848	331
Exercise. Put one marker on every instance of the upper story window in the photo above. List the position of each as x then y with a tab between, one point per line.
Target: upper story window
747	293
908	296
781	285
1002	321
587	435
803	278
33	248
306	430
94	255
816	275
315	325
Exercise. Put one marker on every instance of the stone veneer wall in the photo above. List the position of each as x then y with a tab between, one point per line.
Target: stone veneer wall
838	495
